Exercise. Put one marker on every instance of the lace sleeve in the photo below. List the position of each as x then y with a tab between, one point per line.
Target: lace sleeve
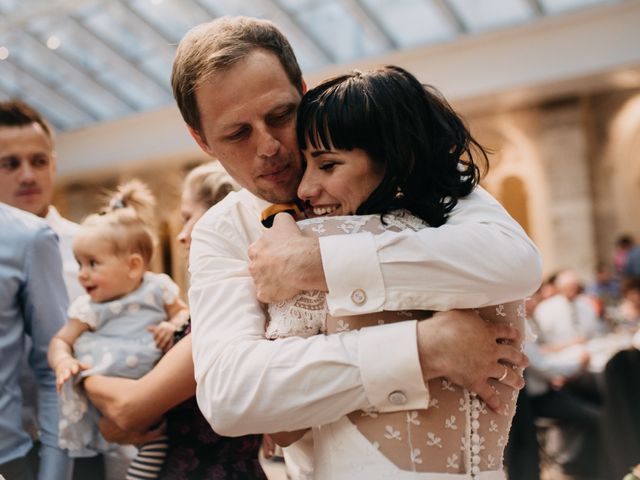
305	314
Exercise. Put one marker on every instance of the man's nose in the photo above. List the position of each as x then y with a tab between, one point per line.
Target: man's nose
268	145
27	173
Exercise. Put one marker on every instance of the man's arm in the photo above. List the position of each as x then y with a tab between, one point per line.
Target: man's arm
480	257
45	303
246	384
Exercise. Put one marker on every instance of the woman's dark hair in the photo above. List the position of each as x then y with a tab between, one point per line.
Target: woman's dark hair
425	147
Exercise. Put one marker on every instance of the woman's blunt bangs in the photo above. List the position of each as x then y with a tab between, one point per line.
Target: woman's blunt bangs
336	115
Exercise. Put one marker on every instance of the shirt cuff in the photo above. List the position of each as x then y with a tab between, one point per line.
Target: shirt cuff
353	274
390	367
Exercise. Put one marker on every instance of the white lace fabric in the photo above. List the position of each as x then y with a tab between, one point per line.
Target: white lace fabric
457	434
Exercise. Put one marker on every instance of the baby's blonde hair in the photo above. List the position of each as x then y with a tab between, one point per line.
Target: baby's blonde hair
126	221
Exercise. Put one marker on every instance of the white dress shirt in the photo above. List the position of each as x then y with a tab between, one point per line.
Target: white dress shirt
247	384
561	320
66	230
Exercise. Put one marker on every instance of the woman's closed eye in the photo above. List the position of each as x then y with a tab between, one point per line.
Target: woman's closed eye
327	166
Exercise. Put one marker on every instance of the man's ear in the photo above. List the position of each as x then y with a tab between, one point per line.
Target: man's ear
136	265
200	140
304	87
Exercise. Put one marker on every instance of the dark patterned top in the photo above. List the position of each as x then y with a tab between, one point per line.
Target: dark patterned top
196	452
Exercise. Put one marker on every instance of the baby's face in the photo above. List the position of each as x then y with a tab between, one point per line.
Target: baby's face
104	275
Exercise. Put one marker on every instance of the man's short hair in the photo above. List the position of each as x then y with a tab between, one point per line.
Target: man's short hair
16	113
216	46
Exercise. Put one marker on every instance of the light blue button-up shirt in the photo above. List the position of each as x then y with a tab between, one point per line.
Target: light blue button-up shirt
33	302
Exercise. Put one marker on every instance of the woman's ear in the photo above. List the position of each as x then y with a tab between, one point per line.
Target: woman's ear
136	265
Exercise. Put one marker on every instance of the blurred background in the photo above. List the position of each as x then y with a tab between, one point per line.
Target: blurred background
552	87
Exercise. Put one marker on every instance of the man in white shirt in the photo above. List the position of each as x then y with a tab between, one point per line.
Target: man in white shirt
27	176
237	84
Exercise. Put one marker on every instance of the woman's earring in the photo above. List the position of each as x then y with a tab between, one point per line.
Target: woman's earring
399	194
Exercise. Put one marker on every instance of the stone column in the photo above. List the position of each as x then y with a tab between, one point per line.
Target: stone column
563	148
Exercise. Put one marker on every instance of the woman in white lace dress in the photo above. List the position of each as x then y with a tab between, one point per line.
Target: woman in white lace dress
384	153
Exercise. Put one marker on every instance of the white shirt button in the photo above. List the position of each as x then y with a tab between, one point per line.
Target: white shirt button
397	398
358	296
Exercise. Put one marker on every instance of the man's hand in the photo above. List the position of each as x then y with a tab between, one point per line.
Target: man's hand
284	262
464	348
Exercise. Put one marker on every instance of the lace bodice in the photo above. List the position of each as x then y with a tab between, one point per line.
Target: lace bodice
458	433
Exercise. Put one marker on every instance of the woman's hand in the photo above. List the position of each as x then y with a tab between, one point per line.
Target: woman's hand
67	368
112	433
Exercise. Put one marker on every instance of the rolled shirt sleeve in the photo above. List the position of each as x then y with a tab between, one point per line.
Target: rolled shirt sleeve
480	257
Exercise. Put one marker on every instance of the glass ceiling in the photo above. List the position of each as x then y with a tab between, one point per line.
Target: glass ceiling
87	61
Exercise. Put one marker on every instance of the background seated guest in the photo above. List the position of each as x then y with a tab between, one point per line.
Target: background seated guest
623	245
627	313
33	302
195	450
558	382
604	291
568	317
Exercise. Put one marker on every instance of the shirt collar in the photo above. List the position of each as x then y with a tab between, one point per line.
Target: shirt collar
53	216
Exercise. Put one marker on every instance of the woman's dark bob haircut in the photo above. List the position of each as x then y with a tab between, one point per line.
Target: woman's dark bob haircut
409	128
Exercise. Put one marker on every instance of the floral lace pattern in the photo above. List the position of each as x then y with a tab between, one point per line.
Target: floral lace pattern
458	434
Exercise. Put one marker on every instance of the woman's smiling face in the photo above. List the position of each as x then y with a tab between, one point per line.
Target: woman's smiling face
337	182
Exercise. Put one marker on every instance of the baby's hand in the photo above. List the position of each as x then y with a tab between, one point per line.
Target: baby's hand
163	335
67	368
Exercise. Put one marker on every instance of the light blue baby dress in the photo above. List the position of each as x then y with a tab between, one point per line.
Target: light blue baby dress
119	345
